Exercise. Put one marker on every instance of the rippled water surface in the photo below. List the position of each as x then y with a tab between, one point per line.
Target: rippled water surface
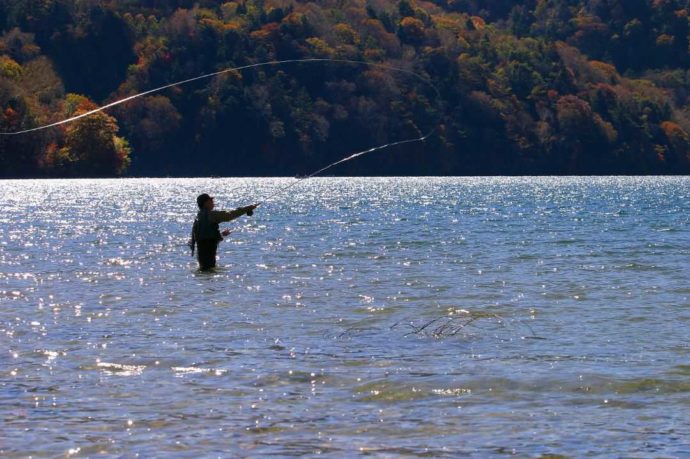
395	317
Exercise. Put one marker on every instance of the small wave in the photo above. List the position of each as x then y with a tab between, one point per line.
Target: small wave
181	371
121	369
452	392
50	355
117	261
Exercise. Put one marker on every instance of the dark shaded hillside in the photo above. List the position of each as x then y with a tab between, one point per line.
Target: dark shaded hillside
530	87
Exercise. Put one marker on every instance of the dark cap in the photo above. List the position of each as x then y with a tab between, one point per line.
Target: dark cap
201	199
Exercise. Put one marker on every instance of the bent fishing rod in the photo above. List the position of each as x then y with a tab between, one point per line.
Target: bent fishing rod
344	160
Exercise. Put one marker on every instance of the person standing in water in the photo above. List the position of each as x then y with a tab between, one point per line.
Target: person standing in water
205	233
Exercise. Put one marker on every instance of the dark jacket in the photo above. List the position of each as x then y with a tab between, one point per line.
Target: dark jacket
206	224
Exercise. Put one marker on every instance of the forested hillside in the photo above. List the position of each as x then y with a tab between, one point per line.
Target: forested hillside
524	87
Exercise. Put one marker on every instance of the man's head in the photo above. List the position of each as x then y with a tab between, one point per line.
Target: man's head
204	201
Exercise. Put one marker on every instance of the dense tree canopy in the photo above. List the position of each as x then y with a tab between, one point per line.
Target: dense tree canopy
524	87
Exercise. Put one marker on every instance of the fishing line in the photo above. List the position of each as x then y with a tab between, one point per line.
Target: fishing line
421	78
221	72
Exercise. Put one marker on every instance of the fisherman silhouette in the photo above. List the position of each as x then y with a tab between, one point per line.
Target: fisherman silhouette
205	232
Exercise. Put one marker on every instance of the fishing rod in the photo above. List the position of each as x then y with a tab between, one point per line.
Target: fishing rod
340	161
344	160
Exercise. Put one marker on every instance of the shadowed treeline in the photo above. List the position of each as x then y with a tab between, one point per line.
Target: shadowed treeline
529	87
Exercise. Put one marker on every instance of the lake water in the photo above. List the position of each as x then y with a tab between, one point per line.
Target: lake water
482	317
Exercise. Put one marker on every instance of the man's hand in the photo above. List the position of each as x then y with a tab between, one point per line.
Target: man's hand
250	209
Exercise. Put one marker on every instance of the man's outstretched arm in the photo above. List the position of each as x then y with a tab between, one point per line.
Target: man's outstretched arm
219	216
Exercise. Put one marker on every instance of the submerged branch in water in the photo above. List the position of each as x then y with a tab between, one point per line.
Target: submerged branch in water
456	324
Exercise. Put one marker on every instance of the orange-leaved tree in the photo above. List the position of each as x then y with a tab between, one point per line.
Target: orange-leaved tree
91	143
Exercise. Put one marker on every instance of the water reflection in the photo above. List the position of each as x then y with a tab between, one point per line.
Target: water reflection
393	317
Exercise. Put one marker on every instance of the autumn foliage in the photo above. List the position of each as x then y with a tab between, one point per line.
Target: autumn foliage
529	87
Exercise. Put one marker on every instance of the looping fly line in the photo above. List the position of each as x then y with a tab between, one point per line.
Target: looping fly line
250	66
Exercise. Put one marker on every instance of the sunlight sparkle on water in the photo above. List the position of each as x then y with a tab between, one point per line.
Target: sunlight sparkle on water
396	317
